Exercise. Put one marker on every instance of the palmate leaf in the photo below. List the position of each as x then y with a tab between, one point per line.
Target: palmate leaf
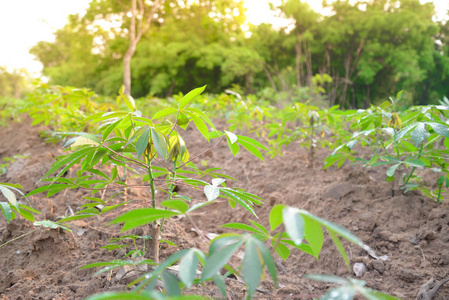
295	228
218	258
68	161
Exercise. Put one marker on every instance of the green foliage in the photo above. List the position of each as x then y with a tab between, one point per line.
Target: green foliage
369	50
407	141
13	84
11	208
348	289
126	140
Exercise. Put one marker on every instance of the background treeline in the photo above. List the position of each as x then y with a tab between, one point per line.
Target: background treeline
370	49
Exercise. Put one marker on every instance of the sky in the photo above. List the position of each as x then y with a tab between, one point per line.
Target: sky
23	23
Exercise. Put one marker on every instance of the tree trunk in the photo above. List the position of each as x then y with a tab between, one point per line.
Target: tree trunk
136	29
270	78
152	245
298	47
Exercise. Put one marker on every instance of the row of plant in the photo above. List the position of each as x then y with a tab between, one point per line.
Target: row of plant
153	150
412	142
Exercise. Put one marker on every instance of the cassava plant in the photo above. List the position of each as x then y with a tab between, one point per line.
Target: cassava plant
416	139
305	124
299	230
12	207
157	154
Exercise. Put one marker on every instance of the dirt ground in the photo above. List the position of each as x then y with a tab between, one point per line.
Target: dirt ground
411	230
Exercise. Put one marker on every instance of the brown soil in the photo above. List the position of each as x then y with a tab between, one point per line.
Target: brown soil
410	229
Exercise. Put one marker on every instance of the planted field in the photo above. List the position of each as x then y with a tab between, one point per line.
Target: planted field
103	200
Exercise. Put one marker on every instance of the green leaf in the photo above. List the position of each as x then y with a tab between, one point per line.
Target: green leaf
392	170
282	251
403	132
415	162
188	267
241	226
199	123
176	204
218	259
139	217
110	128
82	141
219	282
6	209
314	235
340	247
419	134
50	224
203	116
294	224
376	295
160	143
441	129
27	215
190	97
165	112
9	195
268	259
339	230
276	216
251	141
251	149
234	147
251	267
142	142
260	227
234	196
171	284
44	188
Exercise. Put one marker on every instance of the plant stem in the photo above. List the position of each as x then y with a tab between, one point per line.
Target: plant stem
413	169
154	227
204	152
439	193
19	237
171	187
153	192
